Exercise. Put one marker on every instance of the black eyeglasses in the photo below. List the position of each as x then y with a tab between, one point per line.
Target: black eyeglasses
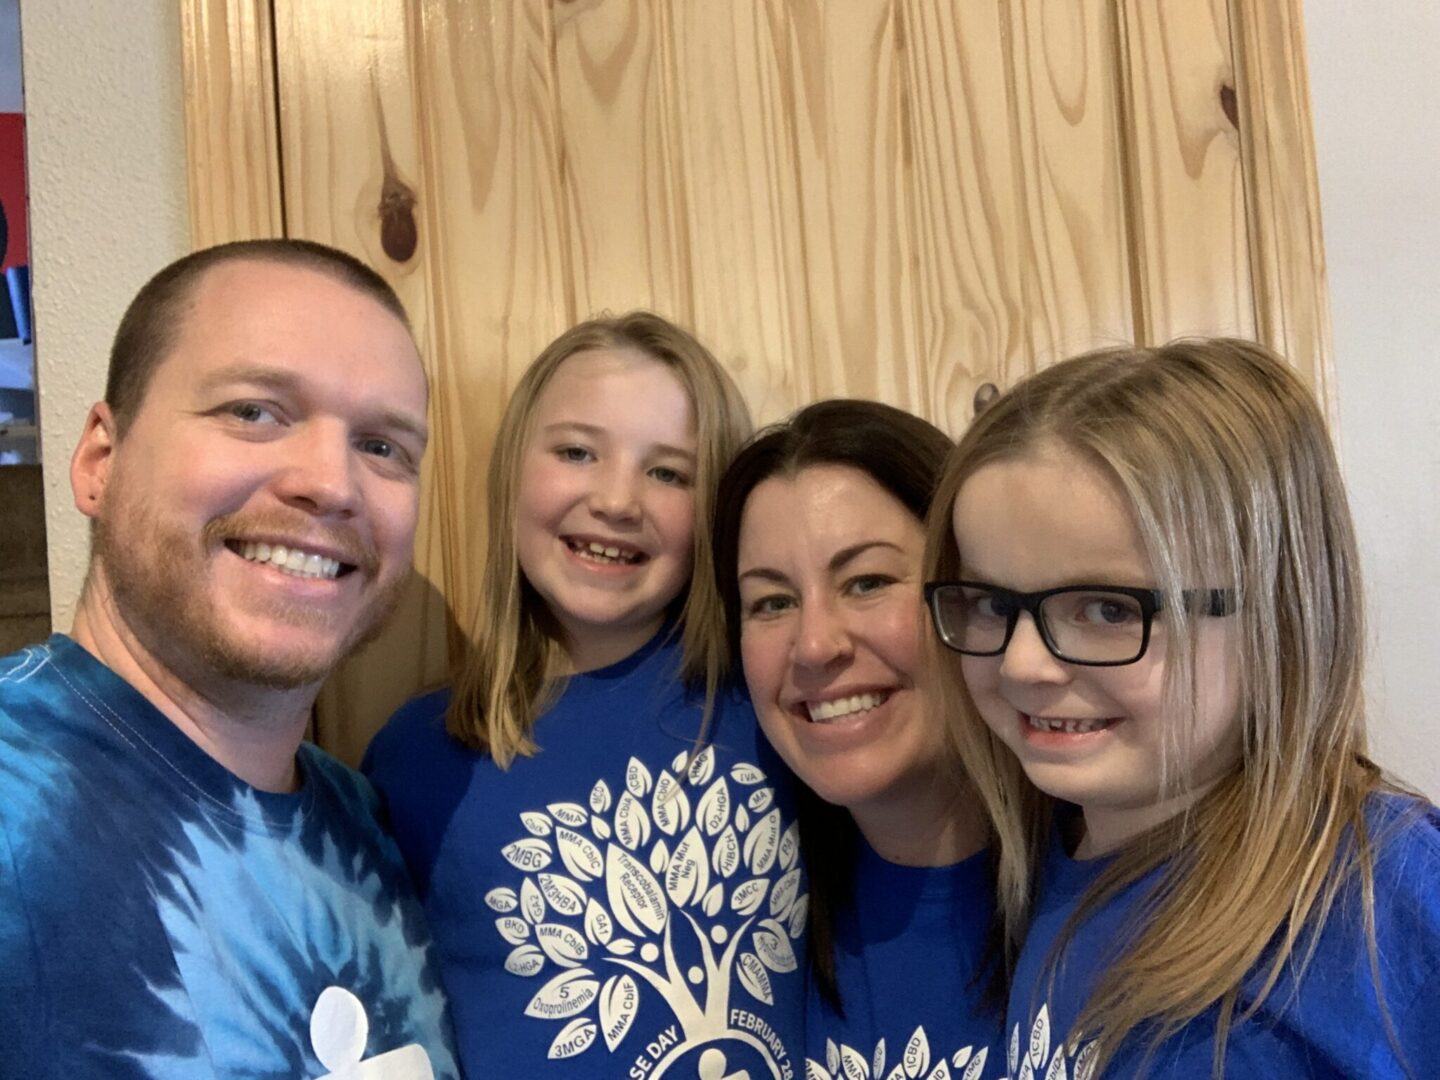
1095	625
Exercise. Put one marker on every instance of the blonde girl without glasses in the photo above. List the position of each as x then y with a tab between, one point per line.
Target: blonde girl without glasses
605	852
1143	565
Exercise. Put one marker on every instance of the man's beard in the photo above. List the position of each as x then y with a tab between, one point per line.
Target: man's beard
159	578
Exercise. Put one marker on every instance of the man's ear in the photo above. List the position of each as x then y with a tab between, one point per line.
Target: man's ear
90	466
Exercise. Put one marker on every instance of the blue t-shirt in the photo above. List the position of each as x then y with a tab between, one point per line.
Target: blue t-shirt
613	906
1329	1024
161	918
908	956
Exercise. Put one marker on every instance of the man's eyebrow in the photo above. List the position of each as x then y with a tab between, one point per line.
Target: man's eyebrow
287	382
594	431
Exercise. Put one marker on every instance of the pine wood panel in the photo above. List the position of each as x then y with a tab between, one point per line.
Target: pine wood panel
353	166
897	199
1287	255
1188	249
230	126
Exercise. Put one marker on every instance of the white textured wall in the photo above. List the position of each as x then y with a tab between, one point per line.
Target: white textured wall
1376	97
108	207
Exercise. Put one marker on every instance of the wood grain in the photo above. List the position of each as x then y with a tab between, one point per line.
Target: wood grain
1287	254
1189	253
232	147
894	199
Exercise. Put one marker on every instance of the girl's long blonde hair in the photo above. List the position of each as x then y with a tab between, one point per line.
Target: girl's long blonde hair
1228	467
509	672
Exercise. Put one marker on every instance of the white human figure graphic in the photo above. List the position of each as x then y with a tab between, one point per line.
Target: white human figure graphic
339	1029
713	1064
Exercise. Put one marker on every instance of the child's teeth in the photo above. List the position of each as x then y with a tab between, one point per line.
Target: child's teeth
1068	727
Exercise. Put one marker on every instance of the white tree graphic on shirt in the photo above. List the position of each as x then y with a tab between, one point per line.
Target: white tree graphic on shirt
1040	1063
661	864
846	1063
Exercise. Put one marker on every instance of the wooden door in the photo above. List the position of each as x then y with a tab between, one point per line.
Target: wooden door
894	199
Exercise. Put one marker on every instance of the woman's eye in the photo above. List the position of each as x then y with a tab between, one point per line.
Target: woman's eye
252	412
869	583
767	605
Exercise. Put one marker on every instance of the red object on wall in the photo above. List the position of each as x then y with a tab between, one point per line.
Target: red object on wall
12	189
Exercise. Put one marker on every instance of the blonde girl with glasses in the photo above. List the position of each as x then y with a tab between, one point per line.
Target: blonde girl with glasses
604	846
1144	583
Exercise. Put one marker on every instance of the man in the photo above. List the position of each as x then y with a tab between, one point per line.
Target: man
187	890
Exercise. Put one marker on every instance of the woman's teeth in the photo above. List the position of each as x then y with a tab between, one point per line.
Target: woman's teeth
822	712
603	553
1069	727
291	560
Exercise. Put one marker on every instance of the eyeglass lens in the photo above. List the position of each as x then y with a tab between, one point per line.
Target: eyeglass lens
1085	625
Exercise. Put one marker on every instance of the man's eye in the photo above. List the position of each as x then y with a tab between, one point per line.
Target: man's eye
379	447
252	412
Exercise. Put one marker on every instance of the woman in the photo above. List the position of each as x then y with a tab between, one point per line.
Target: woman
819	548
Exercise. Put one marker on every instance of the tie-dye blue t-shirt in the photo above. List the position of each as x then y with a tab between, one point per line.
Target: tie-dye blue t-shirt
161	918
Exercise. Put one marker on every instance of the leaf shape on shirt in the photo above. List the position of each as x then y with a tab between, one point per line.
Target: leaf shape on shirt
1085	1062
976	1066
636	899
536	823
745	774
619	1001
525	960
532	904
940	1072
755	979
790	846
563	944
703	767
725	856
669	805
632	824
897	1073
688	876
637	778
815	1071
762	843
575	1038
877	1064
714	900
565	995
564	895
600	797
832	1056
784	892
852	1065
513	930
1040	1038
799	912
659	857
961	1056
916	1057
620	946
579	854
1014	1049
714	810
1057	1070
598	925
760	800
569	813
529	855
773	946
502	900
742	818
600	827
748	896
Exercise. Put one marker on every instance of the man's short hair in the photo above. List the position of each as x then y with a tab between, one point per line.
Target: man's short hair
153	320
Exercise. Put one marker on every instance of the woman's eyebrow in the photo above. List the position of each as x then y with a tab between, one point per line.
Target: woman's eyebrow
846	554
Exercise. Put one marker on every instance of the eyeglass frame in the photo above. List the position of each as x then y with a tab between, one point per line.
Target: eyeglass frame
1215	603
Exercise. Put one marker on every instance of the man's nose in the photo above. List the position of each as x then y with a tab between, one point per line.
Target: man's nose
319	473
